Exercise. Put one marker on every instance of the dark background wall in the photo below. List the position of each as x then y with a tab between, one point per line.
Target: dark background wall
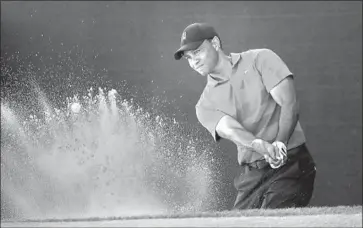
321	42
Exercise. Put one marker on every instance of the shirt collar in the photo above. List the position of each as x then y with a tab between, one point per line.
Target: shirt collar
235	58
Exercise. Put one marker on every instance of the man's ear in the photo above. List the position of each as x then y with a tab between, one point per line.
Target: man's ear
216	43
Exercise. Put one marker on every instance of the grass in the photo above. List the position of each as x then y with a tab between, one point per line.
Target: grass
308	211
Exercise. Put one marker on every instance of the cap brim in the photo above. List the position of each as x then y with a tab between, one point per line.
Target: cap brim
187	47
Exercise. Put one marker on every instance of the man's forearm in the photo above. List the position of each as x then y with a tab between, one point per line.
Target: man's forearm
231	129
287	123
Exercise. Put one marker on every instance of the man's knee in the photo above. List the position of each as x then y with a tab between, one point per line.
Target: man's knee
307	190
273	200
287	198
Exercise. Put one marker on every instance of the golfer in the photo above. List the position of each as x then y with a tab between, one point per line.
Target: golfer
250	99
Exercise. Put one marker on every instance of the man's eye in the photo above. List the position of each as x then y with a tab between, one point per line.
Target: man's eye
196	52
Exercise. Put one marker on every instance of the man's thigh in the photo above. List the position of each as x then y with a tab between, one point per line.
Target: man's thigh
293	184
249	188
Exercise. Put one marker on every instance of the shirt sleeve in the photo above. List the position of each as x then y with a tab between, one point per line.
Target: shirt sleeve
271	68
209	118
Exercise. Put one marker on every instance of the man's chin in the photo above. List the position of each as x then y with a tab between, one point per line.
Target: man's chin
203	73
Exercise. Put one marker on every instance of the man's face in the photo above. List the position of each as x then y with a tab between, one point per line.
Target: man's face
203	59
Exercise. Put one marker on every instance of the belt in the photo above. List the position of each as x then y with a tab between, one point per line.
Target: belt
292	154
258	164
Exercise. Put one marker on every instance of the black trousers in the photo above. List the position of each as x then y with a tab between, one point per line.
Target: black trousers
260	186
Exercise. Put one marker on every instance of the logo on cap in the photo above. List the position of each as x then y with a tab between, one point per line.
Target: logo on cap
184	36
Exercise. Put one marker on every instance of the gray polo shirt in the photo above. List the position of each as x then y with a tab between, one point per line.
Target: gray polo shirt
245	96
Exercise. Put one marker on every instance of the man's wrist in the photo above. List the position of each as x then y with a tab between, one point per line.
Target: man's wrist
281	140
278	141
256	142
259	146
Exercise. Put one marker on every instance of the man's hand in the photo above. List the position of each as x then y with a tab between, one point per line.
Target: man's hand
265	148
282	158
275	153
274	163
281	146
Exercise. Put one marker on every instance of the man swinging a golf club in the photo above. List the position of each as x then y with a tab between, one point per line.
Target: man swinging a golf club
250	99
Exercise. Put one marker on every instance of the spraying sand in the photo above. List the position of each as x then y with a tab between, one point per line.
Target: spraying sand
98	155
